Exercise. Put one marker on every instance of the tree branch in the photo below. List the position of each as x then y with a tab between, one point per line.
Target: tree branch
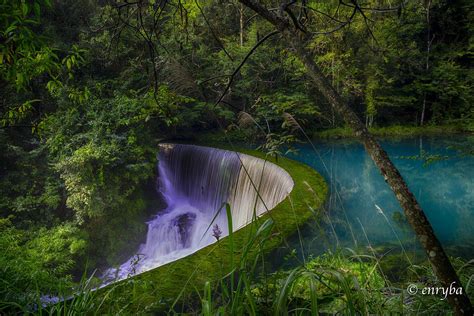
236	70
212	31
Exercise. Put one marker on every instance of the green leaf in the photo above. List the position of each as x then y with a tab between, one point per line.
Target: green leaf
25	8
11	28
37	9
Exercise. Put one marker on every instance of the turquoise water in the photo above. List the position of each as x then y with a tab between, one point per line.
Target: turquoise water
362	210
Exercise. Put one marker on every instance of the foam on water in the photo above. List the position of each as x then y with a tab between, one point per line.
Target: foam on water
196	182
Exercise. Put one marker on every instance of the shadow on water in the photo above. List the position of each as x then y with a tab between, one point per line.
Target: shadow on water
362	212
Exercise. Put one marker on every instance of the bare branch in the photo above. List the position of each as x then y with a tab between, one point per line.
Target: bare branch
212	31
236	70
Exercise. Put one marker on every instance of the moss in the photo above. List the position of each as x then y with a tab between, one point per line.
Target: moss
149	290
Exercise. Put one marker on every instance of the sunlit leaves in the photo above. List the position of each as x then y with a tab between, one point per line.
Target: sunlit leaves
28	61
277	144
103	150
77	95
55	249
21	49
17	113
34	261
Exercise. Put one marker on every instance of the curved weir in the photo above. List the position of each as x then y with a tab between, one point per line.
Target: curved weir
196	183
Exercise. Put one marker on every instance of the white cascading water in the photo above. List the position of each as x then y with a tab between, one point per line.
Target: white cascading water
196	182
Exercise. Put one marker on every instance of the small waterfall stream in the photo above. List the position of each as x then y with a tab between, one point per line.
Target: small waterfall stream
196	182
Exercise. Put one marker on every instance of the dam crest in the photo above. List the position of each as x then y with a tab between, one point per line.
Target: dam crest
197	183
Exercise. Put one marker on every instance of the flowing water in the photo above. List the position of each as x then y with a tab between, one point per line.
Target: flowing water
363	211
196	183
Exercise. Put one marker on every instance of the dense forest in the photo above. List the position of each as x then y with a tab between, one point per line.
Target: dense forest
88	89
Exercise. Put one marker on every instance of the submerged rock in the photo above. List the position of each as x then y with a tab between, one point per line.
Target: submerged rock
184	223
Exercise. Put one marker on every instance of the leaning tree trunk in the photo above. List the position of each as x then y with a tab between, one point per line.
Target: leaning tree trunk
416	217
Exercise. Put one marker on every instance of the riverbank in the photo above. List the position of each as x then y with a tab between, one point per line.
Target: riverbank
394	131
239	137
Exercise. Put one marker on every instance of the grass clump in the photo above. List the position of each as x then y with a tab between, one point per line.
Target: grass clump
331	283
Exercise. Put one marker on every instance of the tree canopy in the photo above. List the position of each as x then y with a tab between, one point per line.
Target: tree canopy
89	88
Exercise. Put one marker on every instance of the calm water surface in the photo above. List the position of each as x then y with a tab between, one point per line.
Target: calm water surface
363	211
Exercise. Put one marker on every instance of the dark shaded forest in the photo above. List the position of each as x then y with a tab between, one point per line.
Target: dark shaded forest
88	89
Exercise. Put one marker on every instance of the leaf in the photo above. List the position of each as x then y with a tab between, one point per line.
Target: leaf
20	80
25	8
37	9
10	28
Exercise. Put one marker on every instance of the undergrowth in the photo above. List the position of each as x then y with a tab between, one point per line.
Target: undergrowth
345	281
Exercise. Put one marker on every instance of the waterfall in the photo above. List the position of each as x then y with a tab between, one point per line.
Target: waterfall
196	182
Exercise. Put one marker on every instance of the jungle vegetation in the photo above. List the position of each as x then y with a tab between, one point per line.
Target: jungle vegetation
89	88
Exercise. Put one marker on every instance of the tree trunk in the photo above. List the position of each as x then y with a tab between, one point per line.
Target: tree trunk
416	217
427	57
422	119
333	82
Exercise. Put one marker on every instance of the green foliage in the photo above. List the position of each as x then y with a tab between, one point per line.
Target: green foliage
327	284
272	107
56	249
370	99
30	192
28	59
88	89
103	152
23	55
276	143
33	263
